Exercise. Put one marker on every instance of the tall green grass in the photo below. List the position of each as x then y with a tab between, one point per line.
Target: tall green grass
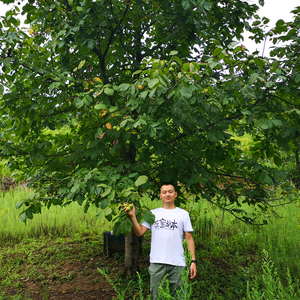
280	237
56	221
219	237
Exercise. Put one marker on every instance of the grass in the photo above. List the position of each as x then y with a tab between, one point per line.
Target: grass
229	253
57	221
269	286
280	238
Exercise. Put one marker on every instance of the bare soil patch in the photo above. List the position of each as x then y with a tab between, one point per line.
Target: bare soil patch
66	271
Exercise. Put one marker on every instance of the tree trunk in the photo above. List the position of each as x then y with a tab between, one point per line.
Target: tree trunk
296	177
132	254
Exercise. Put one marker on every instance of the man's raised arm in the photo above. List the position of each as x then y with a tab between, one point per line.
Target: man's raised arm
138	229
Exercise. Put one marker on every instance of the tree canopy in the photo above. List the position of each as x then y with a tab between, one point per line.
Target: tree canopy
103	100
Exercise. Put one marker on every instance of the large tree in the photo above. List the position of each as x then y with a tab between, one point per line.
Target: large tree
103	100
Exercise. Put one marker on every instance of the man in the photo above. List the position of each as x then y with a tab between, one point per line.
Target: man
167	253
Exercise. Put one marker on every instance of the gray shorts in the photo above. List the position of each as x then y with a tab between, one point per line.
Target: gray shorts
157	273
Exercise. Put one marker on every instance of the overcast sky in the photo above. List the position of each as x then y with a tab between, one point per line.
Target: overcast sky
273	10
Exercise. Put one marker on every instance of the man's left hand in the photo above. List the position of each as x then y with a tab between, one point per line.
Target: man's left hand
193	271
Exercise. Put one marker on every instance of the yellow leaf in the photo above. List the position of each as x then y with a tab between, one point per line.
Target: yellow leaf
205	90
108	126
31	31
98	80
103	112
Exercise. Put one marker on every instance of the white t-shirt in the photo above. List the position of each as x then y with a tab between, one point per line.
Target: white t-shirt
167	235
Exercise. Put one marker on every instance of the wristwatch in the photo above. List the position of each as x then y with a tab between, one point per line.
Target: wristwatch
193	261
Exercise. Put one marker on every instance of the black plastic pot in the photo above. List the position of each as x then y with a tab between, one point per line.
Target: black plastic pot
112	243
115	244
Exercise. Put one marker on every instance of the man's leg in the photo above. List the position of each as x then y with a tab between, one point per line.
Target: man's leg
174	277
157	273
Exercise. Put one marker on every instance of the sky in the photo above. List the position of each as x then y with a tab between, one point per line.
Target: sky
273	10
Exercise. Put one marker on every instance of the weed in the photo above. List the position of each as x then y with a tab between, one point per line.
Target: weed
120	293
45	292
68	277
269	286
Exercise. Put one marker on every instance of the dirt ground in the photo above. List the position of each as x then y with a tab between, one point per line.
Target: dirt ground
75	278
77	281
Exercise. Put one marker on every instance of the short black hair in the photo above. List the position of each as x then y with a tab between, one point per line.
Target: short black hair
167	183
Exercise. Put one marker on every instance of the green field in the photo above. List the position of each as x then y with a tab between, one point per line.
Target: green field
38	259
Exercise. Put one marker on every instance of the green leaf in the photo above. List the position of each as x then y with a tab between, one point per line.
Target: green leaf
109	91
252	78
186	67
124	86
75	188
126	193
185	92
153	82
283	144
137	72
19	204
29	213
141	180
277	123
279	22
132	175
126	225
212	64
233	44
144	94
149	217
81	64
186	4
200	2
79	8
277	161
104	203
117	229
174	52
111	195
79	103
90	44
101	106
113	109
54	85
107	192
297	78
265	178
217	51
108	217
207	5
23	217
269	84
151	94
192	68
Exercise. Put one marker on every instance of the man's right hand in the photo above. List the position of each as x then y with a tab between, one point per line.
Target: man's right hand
138	229
131	213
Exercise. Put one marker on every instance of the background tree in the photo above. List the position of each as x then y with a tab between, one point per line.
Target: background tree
96	111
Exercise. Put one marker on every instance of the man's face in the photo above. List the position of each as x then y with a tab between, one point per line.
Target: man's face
168	194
